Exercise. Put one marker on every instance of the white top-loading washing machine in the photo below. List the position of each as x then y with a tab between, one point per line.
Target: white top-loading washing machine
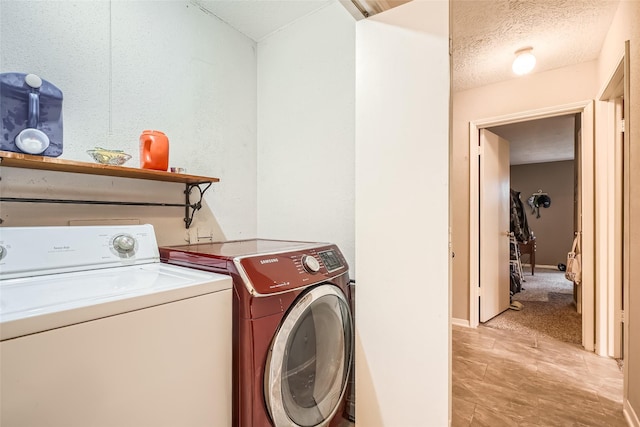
95	331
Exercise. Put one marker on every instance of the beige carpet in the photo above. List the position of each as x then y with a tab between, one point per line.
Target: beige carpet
548	309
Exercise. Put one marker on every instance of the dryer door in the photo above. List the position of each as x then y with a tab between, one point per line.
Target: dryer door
309	360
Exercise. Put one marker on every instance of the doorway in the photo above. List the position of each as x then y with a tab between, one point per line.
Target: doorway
543	223
585	207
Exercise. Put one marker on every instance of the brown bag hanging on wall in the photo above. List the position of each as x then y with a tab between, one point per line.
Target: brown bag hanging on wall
574	262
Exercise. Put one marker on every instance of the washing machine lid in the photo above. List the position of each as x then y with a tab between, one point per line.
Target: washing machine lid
35	304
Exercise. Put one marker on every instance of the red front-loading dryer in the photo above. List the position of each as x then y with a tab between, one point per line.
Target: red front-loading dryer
292	327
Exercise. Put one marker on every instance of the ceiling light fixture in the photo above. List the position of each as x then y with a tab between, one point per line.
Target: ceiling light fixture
524	62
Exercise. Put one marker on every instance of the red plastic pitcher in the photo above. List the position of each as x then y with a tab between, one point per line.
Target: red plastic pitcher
154	150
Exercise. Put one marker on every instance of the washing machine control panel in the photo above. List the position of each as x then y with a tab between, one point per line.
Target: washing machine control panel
275	273
38	251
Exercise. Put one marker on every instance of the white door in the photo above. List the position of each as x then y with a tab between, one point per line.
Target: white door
494	225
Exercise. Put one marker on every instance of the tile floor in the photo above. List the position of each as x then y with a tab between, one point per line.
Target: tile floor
501	378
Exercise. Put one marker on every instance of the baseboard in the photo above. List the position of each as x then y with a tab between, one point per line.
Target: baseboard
460	322
630	415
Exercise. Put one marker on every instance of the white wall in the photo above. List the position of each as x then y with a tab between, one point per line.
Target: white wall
306	108
128	66
402	218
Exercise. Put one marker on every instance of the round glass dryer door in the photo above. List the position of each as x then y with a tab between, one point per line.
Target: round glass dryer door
309	360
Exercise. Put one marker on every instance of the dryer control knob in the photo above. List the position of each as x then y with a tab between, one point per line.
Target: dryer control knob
3	252
124	245
310	264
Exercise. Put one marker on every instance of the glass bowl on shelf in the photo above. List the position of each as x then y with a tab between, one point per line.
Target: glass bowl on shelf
109	157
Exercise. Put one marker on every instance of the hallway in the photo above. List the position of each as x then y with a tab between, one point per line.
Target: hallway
502	378
547	308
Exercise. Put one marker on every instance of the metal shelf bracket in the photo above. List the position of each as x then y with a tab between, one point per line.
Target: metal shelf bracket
191	208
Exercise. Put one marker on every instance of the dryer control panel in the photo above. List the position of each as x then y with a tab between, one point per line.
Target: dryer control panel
273	273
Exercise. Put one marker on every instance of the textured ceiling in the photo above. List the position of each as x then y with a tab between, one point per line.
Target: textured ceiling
486	34
259	18
539	141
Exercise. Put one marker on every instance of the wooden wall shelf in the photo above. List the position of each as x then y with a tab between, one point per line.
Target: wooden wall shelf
25	161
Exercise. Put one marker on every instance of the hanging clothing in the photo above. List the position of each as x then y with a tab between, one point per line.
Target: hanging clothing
515	283
519	224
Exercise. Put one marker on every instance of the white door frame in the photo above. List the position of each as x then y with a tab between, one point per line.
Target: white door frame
588	313
609	227
617	84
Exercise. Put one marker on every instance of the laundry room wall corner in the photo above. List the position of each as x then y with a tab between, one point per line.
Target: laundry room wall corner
306	131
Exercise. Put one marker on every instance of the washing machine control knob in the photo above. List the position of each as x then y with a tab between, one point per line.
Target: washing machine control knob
124	245
3	252
310	264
